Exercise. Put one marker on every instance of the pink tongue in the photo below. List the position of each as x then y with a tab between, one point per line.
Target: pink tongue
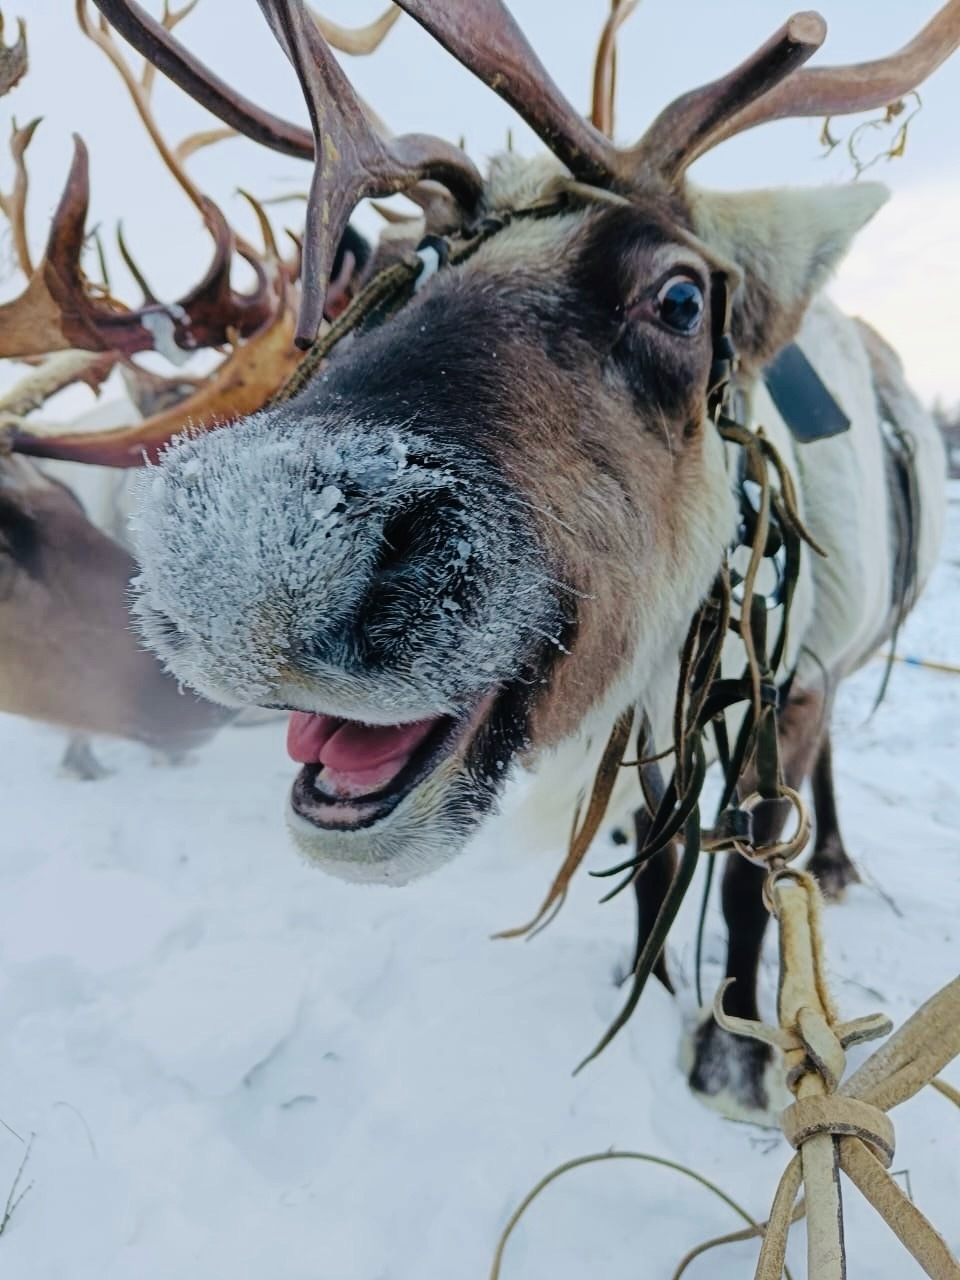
359	753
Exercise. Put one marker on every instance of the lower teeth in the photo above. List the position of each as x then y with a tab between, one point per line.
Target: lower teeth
341	794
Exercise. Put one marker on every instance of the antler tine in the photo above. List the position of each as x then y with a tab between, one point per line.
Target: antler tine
14	205
864	86
694	123
239	386
357	40
351	159
605	67
56	310
483	36
151	39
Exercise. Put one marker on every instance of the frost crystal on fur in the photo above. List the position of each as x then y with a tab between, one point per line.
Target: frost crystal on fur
259	544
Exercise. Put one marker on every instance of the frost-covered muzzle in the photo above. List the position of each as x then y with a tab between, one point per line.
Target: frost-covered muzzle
385	587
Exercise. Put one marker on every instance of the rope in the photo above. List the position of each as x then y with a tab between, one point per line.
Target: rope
843	1126
392	287
835	1126
927	663
643	1156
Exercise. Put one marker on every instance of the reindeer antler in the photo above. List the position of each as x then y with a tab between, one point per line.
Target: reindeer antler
353	160
605	67
357	40
14	205
240	385
13	58
863	86
75	331
694	123
766	86
57	311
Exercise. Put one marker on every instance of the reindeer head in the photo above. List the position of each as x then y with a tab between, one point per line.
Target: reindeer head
483	528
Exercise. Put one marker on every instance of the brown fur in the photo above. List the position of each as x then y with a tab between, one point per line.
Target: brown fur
69	655
605	518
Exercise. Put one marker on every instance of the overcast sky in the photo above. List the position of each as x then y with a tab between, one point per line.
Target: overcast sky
903	274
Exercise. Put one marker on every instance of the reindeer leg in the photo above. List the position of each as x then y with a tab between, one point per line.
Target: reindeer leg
740	1077
829	862
650	888
79	761
737	1076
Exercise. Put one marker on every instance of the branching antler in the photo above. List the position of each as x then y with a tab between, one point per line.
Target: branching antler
357	40
13	59
605	68
694	123
75	331
14	205
140	91
57	311
354	159
355	162
241	384
351	159
862	86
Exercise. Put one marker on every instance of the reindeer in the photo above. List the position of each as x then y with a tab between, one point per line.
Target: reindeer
68	654
476	537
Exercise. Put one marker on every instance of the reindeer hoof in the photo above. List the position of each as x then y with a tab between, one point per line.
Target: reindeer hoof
79	761
834	872
743	1079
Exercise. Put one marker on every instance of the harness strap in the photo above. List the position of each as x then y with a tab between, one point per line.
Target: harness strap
802	399
396	284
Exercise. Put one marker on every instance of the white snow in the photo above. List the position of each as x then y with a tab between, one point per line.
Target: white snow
237	1069
330	498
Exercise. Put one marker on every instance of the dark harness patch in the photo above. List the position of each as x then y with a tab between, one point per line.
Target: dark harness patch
904	517
801	397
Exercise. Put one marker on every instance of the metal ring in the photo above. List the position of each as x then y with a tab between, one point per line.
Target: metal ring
780	850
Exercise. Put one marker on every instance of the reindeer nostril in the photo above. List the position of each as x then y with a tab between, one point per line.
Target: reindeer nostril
404	537
412	576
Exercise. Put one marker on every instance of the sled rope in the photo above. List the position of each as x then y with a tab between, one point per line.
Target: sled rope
842	1125
927	664
834	1124
596	1158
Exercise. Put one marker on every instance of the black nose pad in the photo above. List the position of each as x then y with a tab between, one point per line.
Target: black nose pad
413	571
406	538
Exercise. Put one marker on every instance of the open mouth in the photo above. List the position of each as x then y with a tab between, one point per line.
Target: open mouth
354	774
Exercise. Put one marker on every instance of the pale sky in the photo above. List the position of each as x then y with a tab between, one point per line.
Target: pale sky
903	274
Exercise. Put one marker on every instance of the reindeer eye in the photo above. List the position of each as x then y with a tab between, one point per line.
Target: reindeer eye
680	304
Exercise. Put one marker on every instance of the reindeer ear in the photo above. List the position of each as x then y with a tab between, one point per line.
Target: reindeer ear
786	242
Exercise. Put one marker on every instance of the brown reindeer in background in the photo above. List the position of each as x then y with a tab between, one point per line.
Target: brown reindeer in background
68	654
474	542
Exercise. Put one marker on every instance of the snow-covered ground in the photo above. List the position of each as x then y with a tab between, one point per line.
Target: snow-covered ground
237	1069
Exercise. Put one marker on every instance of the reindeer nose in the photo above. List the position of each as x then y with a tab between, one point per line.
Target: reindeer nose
421	575
414	538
